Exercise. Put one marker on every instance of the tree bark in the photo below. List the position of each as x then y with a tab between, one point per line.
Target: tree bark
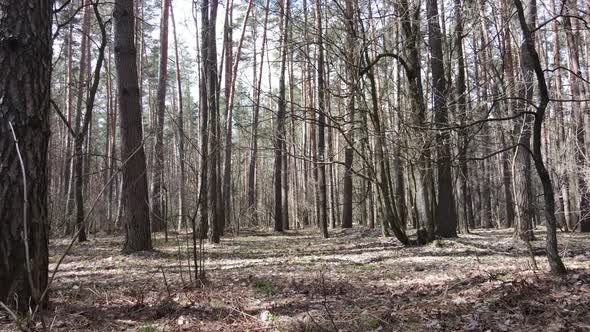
136	217
25	61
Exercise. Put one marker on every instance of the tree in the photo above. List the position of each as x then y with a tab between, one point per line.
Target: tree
422	177
351	68
522	164
82	126
229	114
25	61
555	263
211	213
180	124
158	222
323	197
580	110
445	214
136	218
252	166
280	132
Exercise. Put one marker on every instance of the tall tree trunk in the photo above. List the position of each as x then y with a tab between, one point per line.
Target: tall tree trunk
461	109
422	176
180	123
136	217
446	216
280	126
323	199
68	147
580	110
211	212
228	53
252	167
24	137
351	68
555	263
157	195
229	114
78	157
522	158
507	175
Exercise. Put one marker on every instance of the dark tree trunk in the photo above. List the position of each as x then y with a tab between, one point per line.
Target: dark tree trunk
136	215
446	216
25	61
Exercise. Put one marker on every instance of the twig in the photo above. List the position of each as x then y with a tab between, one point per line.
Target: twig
75	236
165	282
10	312
325	301
34	291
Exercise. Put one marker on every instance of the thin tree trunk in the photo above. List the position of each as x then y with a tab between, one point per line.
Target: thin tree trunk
323	199
158	222
280	125
555	263
350	24
229	114
180	123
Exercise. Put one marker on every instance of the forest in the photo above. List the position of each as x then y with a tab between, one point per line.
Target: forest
294	165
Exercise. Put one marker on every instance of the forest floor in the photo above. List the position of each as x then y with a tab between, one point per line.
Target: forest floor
297	281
